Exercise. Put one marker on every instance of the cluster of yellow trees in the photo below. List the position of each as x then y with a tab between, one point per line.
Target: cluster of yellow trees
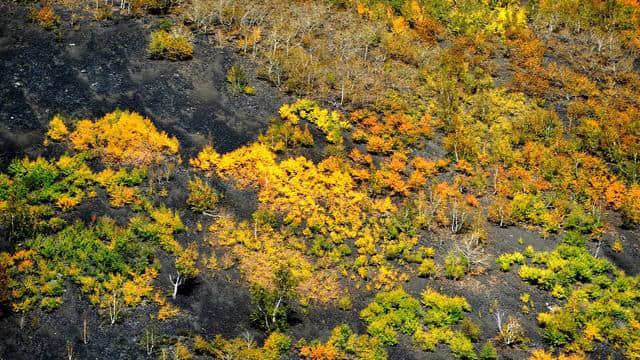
120	137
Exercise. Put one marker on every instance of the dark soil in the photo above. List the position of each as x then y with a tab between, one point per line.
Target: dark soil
104	66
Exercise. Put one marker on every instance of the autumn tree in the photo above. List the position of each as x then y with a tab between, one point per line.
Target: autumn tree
185	267
274	305
120	137
6	262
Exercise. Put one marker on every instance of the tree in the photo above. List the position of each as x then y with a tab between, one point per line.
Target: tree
6	262
274	305
185	267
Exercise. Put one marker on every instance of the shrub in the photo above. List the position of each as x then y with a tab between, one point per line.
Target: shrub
442	309
506	260
45	17
631	206
107	262
125	138
455	265
566	265
470	329
427	268
171	46
488	352
344	303
319	352
6	263
49	304
363	347
182	352
202	197
331	124
277	344
574	238
429	339
391	312
579	221
281	136
201	346
461	347
534	275
238	82
532	209
57	129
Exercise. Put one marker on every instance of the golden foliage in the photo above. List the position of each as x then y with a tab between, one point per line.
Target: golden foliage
167	311
125	138
319	352
173	45
139	287
57	129
543	355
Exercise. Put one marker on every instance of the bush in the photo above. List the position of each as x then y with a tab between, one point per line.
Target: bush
57	129
359	346
506	260
201	346
574	238
125	138
461	347
631	207
566	265
171	46
45	17
345	303
182	352
6	262
49	304
331	123
202	197
442	309
238	82
579	221
488	352
277	344
427	268
455	265
391	312
281	136
470	329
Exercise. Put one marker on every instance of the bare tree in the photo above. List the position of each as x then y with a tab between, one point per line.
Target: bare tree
458	218
115	306
149	340
69	350
511	332
85	331
471	247
249	339
176	282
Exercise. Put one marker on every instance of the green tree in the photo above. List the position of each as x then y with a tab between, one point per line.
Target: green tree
273	306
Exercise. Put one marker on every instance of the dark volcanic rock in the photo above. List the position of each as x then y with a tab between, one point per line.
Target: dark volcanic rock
101	67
